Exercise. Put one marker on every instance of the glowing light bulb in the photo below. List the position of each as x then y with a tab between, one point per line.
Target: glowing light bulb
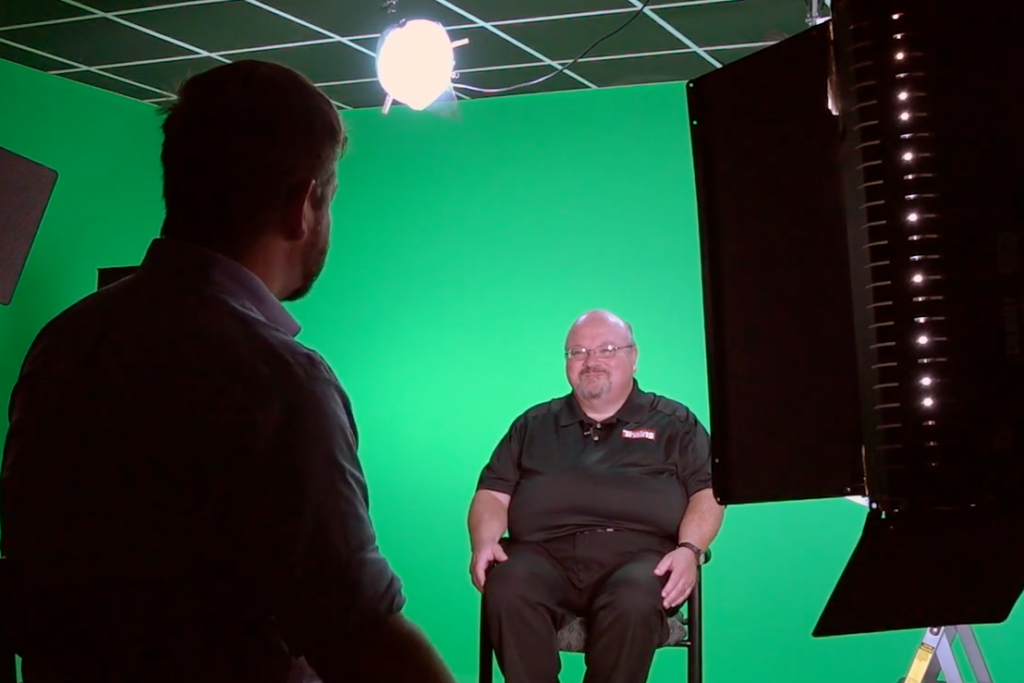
905	116
918	278
907	156
415	63
923	339
900	55
912	217
903	96
928	402
896	16
926	381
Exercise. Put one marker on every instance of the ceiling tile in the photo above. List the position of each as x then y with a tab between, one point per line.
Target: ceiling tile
321	63
167	76
653	69
120	5
503	78
567	38
486	48
243	53
500	10
225	26
94	42
349	18
111	84
15	12
29	59
733	54
733	23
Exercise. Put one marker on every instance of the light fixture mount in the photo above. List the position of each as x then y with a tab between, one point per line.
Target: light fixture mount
415	62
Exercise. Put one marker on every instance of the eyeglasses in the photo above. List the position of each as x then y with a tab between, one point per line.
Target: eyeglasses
606	351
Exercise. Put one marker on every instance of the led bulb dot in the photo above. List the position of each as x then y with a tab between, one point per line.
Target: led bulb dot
900	55
928	402
923	339
905	116
918	278
903	96
926	381
907	156
912	217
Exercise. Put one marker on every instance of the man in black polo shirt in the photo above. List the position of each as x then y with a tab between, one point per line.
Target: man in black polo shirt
181	494
606	496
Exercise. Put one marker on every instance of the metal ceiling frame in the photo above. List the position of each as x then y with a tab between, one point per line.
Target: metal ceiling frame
122	17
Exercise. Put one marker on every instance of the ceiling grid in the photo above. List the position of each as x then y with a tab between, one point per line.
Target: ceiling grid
143	49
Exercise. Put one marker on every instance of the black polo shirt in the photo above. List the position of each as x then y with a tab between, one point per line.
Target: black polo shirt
566	474
180	483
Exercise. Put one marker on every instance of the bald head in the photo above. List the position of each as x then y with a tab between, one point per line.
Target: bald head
600	357
604	320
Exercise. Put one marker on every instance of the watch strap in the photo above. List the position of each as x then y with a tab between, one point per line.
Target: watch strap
696	551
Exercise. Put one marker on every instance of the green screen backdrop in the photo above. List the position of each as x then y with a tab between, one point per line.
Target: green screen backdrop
462	249
105	207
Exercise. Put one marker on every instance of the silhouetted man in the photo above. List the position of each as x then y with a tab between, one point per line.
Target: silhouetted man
606	496
181	495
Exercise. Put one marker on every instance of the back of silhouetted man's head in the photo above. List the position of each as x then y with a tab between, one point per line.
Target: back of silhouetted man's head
242	143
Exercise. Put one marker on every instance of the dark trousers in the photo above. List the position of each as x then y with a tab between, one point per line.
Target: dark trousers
607	577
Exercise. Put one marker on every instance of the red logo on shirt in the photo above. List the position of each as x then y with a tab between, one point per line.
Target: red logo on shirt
638	434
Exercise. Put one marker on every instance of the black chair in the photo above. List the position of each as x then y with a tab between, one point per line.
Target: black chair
684	630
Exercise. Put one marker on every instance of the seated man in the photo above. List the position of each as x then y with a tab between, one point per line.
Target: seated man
606	495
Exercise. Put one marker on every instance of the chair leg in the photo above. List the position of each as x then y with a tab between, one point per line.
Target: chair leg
486	650
695	624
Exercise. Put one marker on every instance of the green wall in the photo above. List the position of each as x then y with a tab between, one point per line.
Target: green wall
462	250
105	207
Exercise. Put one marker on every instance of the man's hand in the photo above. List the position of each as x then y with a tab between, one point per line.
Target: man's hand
482	559
681	566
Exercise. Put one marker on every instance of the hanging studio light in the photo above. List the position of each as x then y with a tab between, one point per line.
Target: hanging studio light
415	62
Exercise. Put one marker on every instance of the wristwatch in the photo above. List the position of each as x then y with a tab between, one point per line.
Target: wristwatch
696	551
